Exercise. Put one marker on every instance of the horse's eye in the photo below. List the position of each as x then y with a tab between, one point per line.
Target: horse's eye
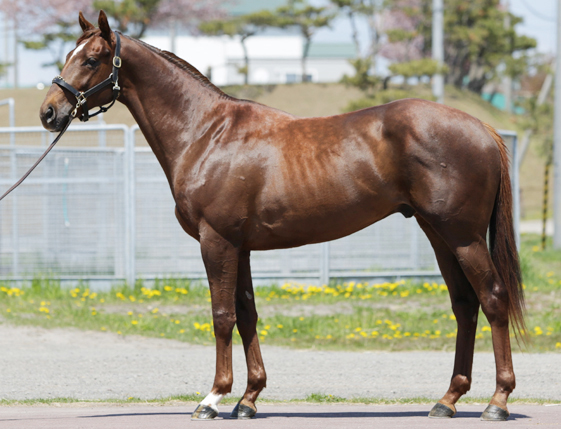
92	62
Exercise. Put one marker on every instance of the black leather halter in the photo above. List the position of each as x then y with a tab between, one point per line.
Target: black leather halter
82	97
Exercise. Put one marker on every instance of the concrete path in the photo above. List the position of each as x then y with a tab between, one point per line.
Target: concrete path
40	363
536	227
271	416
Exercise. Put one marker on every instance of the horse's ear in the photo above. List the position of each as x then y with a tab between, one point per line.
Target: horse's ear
104	26
84	23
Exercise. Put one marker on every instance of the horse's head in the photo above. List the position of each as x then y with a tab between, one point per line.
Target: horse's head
89	64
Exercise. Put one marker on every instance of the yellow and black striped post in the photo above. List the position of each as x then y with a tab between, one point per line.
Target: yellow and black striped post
545	200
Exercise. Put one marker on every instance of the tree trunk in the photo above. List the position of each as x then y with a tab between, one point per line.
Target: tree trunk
305	57
354	33
246	62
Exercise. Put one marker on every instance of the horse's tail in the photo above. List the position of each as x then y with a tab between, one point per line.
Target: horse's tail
503	243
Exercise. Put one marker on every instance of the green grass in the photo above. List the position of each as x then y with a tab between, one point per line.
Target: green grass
314	398
343	316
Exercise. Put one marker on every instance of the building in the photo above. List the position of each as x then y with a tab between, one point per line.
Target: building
273	58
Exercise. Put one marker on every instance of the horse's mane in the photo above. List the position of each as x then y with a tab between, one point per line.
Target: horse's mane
183	65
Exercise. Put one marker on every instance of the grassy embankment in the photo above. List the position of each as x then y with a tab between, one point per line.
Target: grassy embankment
349	316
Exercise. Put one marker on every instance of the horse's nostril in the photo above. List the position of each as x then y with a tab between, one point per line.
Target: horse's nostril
50	114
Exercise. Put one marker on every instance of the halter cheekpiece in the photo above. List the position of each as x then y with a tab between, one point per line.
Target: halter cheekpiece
82	97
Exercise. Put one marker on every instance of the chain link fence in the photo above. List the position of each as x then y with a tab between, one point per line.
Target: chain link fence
99	208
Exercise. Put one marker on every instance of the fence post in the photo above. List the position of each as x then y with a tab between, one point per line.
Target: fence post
15	217
13	176
514	181
324	265
516	188
130	213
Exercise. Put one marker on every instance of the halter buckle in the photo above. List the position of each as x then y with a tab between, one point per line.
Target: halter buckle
81	98
117	62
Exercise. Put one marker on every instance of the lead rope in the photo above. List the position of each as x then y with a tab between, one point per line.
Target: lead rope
39	160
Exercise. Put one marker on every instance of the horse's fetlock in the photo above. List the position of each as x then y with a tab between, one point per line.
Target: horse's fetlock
506	381
460	384
257	380
223	385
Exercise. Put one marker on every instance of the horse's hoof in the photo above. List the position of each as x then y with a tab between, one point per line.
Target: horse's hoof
204	412
242	412
494	414
441	411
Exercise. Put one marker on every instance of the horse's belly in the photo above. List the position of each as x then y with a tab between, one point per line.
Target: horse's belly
312	225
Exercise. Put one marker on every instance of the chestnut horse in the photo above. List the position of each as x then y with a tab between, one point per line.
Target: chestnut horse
246	177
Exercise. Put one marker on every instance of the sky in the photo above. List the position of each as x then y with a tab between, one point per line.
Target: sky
539	22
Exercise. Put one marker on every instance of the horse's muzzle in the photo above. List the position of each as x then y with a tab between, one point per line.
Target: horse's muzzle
53	119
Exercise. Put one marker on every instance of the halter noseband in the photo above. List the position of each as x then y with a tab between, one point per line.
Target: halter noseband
82	97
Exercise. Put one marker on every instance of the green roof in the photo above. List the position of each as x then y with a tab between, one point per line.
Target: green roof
332	50
243	7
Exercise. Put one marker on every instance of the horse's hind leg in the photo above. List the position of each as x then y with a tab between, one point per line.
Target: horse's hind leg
221	262
246	316
470	249
465	306
494	298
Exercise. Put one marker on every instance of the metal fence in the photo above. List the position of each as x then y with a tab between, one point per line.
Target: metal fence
99	208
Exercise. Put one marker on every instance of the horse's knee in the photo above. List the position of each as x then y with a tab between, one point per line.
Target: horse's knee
223	322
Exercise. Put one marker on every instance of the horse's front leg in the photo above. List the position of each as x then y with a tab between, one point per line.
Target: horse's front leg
221	262
246	315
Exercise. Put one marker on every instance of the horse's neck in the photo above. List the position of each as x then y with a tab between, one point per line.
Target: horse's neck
169	104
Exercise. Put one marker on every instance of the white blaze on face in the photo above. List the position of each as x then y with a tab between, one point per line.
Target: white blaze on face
78	49
212	400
